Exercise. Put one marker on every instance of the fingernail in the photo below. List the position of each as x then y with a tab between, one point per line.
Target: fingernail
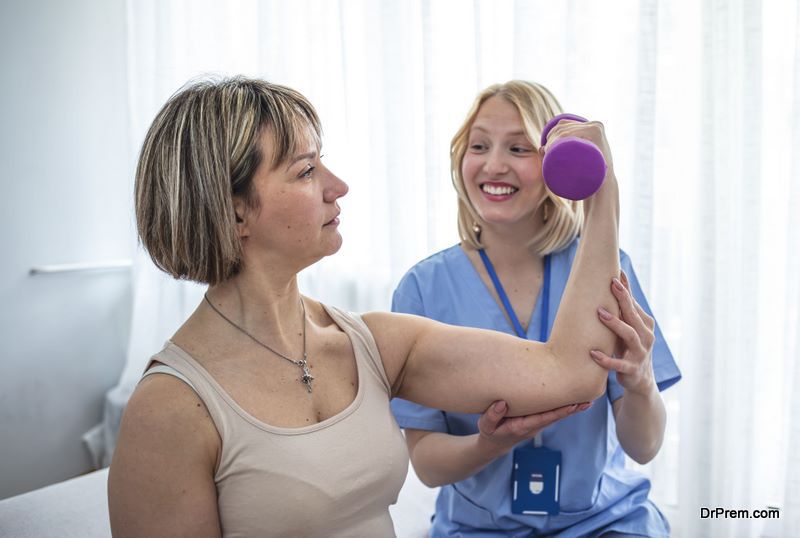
595	355
618	284
500	407
605	314
585	406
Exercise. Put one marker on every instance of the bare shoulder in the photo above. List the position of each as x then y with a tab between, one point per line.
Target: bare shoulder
161	479
166	405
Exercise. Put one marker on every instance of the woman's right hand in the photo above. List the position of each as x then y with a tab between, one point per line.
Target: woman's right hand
500	434
593	131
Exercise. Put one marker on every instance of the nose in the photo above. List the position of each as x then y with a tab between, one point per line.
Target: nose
334	189
495	163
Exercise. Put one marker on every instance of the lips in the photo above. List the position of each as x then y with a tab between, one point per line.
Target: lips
498	191
334	221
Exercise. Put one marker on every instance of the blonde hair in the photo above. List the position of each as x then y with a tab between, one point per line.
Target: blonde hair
200	152
536	106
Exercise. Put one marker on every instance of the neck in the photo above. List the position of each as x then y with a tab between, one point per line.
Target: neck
263	304
507	248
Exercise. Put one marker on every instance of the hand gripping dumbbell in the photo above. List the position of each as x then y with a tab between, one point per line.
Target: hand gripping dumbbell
572	167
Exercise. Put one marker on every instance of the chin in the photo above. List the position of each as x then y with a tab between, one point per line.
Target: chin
498	218
334	247
502	223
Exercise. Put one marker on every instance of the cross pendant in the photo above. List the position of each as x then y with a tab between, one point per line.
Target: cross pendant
307	377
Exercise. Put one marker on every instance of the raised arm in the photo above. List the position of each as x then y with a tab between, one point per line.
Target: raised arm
577	328
465	370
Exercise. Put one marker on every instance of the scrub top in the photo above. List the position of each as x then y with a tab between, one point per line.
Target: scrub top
598	494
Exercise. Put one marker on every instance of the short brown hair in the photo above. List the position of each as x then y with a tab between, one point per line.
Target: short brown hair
202	150
536	106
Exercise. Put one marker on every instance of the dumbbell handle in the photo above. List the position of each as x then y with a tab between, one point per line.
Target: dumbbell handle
572	167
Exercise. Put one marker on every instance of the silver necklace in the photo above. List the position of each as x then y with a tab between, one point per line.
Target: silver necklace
306	378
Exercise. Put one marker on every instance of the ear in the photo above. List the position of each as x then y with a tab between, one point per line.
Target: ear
242	216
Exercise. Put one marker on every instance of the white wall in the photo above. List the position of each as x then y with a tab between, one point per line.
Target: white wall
65	176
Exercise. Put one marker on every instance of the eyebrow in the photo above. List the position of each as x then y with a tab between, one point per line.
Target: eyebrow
308	155
515	133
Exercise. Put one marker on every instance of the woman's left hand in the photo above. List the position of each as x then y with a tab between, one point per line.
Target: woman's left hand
633	354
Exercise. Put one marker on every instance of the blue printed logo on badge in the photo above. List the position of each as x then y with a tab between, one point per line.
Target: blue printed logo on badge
535	482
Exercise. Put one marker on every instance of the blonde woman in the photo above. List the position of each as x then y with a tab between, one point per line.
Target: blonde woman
267	413
518	244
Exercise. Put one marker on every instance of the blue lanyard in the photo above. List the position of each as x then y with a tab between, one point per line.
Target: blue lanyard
544	329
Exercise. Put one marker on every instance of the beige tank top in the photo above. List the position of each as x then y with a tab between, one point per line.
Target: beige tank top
334	478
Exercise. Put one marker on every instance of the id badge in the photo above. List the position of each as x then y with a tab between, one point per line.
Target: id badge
535	481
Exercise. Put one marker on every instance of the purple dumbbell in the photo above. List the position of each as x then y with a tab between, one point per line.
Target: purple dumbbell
573	167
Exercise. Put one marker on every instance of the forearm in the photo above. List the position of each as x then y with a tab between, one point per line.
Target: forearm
441	458
641	420
576	329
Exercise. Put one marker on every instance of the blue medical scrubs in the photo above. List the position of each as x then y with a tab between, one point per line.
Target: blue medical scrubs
598	494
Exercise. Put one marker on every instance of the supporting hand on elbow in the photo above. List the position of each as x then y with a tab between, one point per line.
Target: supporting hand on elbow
499	433
633	354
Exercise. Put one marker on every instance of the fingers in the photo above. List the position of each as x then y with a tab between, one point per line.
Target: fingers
625	300
564	127
617	365
490	419
556	131
632	313
646	318
493	422
528	426
567	127
624	331
648	321
594	131
623	276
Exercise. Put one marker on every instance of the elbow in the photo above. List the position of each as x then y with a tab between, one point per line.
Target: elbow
644	456
594	387
642	449
587	380
432	483
643	459
426	478
425	473
600	386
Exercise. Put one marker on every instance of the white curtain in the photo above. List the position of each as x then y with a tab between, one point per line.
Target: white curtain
701	102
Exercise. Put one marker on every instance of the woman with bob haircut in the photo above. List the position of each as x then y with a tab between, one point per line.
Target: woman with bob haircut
519	246
267	413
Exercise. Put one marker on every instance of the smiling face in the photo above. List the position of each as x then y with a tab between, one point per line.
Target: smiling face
502	169
296	223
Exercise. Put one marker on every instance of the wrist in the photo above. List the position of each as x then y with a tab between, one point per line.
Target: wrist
607	194
644	389
490	450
